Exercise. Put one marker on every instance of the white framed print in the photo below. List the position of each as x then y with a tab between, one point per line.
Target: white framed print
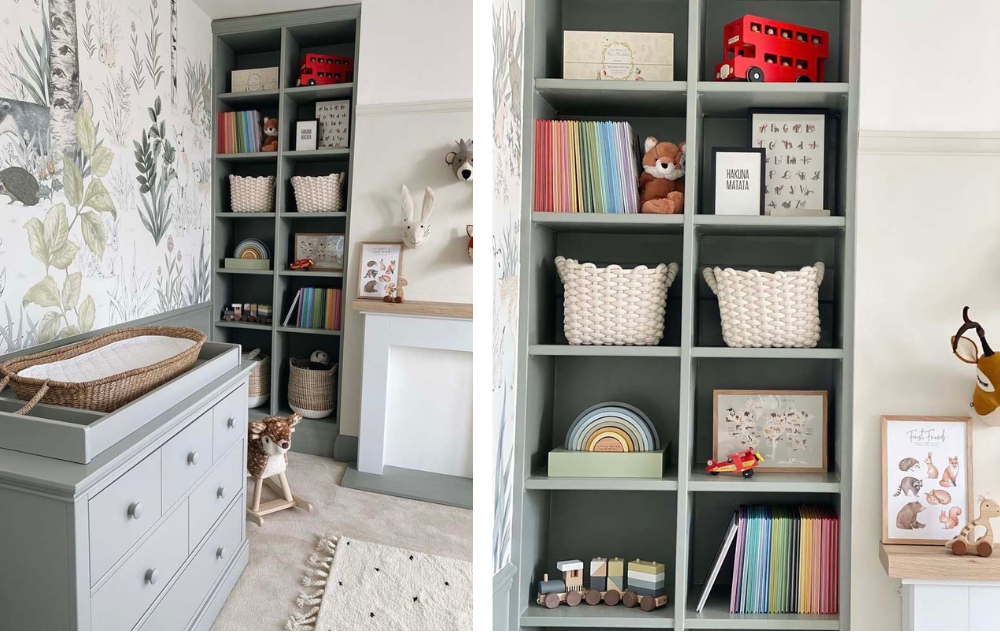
787	428
334	123
381	262
305	135
798	153
737	181
926	478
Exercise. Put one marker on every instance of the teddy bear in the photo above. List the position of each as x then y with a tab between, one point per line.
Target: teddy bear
661	185
270	134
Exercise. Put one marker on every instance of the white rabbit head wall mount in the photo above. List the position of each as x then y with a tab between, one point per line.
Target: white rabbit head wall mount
414	232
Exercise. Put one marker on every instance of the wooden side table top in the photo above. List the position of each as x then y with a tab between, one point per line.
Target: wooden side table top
914	561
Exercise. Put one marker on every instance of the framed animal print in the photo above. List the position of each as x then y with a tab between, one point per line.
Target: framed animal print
787	428
926	478
379	269
325	249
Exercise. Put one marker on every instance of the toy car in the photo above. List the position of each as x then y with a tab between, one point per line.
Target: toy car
743	461
759	49
302	264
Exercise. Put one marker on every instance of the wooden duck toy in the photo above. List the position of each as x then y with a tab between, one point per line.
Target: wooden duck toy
967	541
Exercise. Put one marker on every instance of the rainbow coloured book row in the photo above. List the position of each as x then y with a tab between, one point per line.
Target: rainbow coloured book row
787	560
315	308
586	167
239	132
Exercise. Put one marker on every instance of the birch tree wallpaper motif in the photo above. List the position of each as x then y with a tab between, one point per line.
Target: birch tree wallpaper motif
508	40
105	128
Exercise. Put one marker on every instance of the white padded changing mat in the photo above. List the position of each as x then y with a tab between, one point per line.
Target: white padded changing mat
117	357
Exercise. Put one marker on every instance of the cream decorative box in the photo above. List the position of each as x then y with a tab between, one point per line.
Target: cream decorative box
255	79
610	56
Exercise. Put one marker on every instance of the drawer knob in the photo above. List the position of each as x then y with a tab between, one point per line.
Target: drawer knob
221	553
193	458
135	511
222	492
231	422
152	575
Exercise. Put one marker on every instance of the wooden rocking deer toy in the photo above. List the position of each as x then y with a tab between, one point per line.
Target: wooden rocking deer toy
967	541
267	457
985	399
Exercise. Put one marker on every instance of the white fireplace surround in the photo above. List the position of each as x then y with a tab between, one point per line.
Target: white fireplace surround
437	437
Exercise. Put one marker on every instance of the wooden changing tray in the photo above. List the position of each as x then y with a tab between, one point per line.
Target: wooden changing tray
78	435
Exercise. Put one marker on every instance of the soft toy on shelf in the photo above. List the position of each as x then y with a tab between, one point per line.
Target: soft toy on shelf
661	185
985	398
270	134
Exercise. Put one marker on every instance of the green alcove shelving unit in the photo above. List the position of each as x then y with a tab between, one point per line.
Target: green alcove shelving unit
678	519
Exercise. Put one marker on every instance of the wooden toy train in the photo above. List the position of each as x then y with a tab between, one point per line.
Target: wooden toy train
607	583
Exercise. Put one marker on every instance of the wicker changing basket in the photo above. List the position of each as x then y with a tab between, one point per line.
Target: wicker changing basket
311	393
768	309
106	394
260	379
251	194
614	305
319	194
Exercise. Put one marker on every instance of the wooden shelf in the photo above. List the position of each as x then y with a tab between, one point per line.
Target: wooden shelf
254	157
614	98
734	98
936	563
239	324
599	616
605	351
309	330
716	616
242	99
308	94
790	482
311	273
326	215
767	225
782	354
541	480
414	308
317	155
610	222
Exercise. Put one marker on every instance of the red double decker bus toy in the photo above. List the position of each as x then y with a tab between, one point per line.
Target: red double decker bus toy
758	49
321	70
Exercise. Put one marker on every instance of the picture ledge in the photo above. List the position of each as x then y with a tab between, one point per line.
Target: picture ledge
432	309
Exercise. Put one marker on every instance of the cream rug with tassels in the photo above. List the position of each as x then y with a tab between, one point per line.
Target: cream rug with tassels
355	585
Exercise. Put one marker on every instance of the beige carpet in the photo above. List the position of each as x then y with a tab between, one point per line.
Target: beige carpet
266	592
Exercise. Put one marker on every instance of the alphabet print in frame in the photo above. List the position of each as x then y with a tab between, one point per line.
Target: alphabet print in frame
926	478
796	169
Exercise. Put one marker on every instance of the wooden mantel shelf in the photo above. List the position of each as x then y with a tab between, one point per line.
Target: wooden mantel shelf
426	309
935	562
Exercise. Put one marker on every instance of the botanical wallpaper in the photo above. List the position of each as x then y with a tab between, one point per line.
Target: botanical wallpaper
508	40
105	149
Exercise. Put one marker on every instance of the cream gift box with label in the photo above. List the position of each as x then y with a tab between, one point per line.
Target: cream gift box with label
255	79
611	56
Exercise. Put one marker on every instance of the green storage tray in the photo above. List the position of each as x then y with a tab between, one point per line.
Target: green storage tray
247	264
565	463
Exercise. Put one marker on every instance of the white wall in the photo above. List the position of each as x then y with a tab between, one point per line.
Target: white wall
928	210
407	121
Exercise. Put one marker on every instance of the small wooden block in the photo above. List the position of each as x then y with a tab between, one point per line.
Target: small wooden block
616	583
616	567
599	567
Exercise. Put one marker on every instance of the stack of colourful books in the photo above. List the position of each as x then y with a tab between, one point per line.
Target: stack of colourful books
787	560
239	132
586	167
315	308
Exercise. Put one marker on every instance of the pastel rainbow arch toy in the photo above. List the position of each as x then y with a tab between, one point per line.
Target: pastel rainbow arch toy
612	427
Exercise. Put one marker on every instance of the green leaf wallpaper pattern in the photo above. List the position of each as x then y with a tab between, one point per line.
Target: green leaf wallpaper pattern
104	172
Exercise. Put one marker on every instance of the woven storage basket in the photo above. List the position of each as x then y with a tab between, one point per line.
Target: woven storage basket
319	194
251	194
768	309
106	394
260	381
614	305
311	393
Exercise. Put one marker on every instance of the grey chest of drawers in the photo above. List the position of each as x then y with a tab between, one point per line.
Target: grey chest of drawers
150	534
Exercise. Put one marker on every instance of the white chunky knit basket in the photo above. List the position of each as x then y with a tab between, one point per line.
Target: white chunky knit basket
252	194
768	309
319	194
614	305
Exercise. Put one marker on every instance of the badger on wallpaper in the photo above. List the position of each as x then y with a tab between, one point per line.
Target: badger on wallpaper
27	121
